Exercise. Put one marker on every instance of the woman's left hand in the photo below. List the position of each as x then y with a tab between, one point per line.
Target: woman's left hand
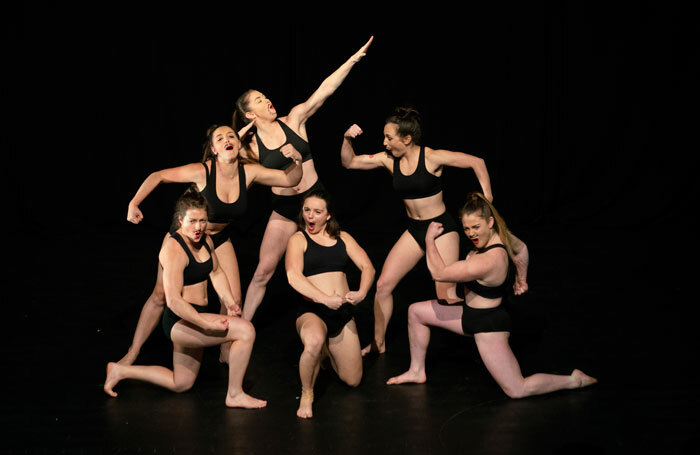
362	52
233	310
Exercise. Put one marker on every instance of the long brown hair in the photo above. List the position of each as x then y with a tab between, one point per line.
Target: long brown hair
332	225
477	203
209	143
239	120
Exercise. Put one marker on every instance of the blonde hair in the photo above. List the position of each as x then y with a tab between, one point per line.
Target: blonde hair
477	202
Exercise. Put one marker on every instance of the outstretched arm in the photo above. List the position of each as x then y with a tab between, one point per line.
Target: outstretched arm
521	259
294	264
303	111
351	161
465	161
189	173
359	257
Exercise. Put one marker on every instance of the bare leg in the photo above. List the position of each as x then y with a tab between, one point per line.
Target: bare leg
448	247
404	255
345	355
312	331
278	231
503	366
229	264
148	319
421	315
188	342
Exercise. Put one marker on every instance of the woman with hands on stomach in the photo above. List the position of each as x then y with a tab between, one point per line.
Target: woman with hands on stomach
188	258
316	259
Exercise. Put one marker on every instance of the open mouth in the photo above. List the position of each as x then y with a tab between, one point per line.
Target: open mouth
229	147
311	225
197	235
475	240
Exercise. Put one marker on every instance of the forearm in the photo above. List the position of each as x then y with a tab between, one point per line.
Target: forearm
221	285
303	286
433	259
185	311
148	185
521	260
482	175
366	279
293	174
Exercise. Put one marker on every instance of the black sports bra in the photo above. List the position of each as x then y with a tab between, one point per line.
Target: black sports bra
195	272
274	159
222	212
418	185
492	292
322	259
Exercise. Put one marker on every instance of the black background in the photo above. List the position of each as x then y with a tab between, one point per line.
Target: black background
586	115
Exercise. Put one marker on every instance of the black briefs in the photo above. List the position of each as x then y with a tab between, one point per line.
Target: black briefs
170	318
290	206
335	320
479	320
418	228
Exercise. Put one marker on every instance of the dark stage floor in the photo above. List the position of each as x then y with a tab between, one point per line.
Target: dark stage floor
645	402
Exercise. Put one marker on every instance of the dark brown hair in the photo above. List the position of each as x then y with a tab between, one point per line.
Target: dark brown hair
409	122
190	199
332	225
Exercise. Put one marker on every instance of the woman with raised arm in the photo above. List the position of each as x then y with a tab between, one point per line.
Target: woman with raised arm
316	259
272	132
188	258
223	179
416	171
487	276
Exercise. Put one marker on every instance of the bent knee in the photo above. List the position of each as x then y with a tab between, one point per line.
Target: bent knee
353	380
183	386
245	331
263	273
384	287
313	344
515	392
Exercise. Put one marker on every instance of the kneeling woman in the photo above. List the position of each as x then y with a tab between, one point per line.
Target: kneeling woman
188	259
316	258
487	277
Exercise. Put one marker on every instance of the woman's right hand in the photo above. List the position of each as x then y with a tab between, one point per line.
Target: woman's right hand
218	325
290	152
134	214
334	301
352	132
435	229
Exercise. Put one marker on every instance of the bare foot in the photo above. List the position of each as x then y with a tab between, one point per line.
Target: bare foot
581	379
374	346
112	379
223	352
409	376
129	358
305	403
243	400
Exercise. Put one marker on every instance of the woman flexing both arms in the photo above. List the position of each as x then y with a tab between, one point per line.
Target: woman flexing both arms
272	132
416	171
223	179
487	278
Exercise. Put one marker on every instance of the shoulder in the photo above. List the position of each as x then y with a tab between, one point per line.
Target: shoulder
172	253
297	239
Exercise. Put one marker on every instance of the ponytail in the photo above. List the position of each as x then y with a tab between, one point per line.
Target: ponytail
477	203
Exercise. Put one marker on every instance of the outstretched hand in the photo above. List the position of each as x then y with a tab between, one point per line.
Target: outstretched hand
353	132
362	52
134	214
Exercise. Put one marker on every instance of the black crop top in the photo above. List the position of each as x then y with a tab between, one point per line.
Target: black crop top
195	272
322	259
418	185
222	212
493	292
274	159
